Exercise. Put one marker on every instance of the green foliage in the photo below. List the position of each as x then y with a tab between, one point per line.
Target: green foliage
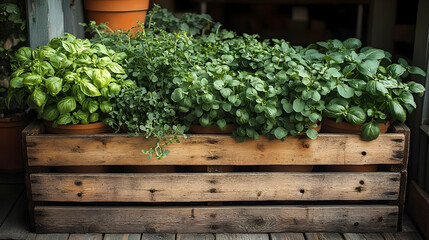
63	80
208	76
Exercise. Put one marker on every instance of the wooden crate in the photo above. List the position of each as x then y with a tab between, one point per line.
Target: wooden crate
215	201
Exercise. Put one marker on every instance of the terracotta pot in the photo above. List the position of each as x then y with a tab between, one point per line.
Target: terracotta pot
351	168
11	144
331	126
286	168
120	14
151	169
92	128
211	129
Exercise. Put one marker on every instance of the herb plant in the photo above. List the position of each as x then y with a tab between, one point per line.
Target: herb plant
68	81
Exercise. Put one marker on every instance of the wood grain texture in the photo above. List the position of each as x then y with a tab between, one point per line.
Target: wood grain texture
402	236
363	236
241	236
122	236
158	236
323	236
87	236
201	149
52	236
244	219
203	187
195	236
287	236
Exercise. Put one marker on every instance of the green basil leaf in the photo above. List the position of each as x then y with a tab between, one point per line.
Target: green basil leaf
50	113
31	79
115	68
218	84
416	87
368	68
374	54
225	92
356	115
395	70
345	91
54	85
16	82
221	124
106	107
69	47
64	119
66	105
352	43
90	105
89	89
417	70
397	111
94	117
370	131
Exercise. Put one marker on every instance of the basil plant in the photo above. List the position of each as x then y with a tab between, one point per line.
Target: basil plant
366	87
68	81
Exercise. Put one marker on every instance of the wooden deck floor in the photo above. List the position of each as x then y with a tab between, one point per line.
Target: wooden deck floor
13	225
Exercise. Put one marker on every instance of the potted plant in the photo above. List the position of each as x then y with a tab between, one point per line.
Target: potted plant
367	92
119	14
13	119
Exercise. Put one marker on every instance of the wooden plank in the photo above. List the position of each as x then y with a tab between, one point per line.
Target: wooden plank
15	225
287	236
202	187
195	236
402	236
52	236
9	195
158	236
31	236
34	128
250	219
73	14
88	236
323	236
241	236
201	149
122	237
45	21
363	236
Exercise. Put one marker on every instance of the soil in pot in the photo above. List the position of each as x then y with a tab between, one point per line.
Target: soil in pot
11	160
120	14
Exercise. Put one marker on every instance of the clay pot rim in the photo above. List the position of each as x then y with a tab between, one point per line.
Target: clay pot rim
16	117
116	5
351	127
76	126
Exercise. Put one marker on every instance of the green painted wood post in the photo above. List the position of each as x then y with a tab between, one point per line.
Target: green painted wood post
73	15
45	21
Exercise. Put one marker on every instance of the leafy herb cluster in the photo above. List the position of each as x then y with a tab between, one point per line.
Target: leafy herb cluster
209	76
69	80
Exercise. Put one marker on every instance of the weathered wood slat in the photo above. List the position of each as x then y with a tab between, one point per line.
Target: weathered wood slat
363	236
52	236
241	236
323	236
122	236
203	187
88	236
195	236
287	236
120	149
339	218
158	236
402	236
